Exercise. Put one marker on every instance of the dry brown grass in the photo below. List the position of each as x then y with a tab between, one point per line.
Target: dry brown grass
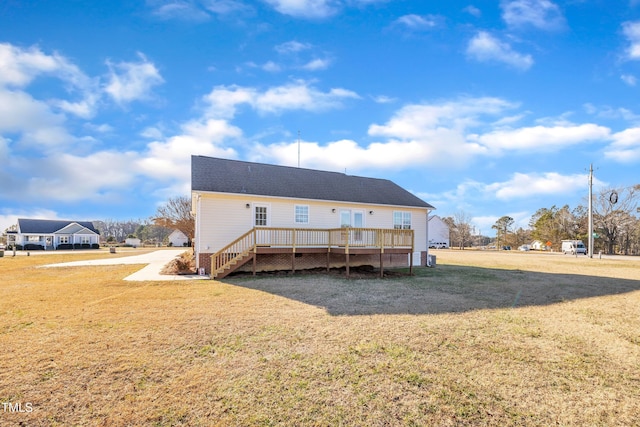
483	339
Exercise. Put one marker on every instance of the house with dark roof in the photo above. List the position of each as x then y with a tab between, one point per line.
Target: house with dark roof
45	234
261	217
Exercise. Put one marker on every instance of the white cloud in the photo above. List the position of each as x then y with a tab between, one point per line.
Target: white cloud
70	178
537	184
299	95
629	79
293	52
179	9
19	67
419	22
131	81
625	147
631	30
225	7
32	120
483	47
271	67
169	159
542	138
195	10
9	217
412	121
383	99
540	14
317	64
292	46
610	113
305	8
472	10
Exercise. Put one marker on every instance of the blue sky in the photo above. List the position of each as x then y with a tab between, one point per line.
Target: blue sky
489	108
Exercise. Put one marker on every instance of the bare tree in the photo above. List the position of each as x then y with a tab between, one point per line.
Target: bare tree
176	213
463	228
613	208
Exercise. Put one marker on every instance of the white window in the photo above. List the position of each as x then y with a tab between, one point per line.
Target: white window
261	218
64	240
302	214
402	220
85	240
33	239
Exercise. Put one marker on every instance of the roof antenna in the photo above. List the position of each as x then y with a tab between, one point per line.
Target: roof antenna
298	148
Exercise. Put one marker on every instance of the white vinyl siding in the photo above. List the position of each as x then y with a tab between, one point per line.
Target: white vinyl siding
225	217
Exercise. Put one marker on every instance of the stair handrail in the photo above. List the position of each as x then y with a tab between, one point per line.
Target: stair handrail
233	251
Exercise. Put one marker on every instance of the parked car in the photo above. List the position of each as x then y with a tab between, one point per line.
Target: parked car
506	248
438	245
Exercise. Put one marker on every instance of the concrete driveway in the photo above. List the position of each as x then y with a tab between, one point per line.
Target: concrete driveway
156	261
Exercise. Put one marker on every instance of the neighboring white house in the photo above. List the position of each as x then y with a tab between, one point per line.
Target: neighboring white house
302	218
178	238
45	234
438	233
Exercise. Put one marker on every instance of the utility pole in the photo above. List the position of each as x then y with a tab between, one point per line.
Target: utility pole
590	251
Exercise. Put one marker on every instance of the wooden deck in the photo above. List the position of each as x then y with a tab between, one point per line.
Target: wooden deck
268	240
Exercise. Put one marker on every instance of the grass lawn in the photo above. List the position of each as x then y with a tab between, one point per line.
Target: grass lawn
485	338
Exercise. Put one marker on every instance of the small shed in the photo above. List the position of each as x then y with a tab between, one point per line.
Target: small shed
178	238
132	241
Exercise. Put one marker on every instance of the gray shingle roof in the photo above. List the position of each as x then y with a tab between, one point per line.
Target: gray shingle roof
233	176
49	226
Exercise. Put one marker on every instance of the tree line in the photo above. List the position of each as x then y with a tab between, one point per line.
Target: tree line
616	225
172	215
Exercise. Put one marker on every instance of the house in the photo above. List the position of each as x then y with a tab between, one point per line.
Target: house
45	234
178	238
438	233
283	217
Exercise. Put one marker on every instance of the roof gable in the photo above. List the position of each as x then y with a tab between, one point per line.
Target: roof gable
238	177
177	234
75	228
48	226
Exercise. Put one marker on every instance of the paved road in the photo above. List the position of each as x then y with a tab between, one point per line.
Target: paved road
156	261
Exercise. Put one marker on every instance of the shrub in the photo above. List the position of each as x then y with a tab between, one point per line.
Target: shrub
95	246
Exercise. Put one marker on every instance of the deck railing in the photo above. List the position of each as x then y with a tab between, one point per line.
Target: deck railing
345	238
